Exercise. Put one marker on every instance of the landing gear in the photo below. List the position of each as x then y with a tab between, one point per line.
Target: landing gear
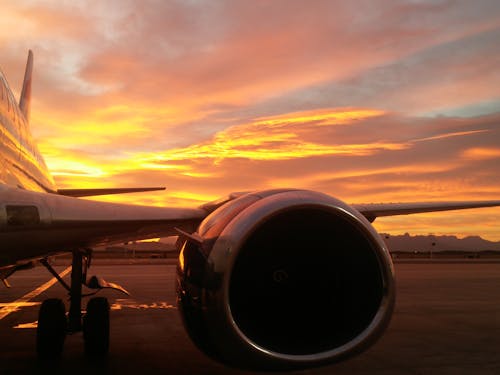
51	330
52	323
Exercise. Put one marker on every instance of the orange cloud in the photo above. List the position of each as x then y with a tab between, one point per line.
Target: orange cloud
207	99
325	117
277	138
477	153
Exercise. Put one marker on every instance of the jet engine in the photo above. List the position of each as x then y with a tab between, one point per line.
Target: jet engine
284	279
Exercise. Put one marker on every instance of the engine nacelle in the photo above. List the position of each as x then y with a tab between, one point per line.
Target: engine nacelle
285	279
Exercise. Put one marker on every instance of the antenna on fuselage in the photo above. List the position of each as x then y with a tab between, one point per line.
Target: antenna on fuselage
25	99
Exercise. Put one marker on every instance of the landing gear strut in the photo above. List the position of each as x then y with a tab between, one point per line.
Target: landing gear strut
52	323
75	294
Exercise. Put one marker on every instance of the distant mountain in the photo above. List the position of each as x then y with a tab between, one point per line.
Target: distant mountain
437	243
405	243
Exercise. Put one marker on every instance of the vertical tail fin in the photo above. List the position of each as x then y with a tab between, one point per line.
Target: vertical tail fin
25	99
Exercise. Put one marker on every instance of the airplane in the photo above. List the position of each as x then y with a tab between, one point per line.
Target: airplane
244	259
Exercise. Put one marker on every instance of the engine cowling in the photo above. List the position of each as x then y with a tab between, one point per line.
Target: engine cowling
285	279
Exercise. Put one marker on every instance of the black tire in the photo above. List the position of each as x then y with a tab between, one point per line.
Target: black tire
51	330
96	327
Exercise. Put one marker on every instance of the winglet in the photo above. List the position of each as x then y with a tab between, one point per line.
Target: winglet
25	99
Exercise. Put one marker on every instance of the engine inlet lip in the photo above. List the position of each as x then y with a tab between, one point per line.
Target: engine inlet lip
278	204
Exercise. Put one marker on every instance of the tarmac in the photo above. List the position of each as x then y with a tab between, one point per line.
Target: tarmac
446	321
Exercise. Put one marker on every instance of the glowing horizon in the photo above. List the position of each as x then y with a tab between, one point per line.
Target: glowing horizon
400	102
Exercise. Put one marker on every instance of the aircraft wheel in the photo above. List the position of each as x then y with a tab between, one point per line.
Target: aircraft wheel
96	327
51	330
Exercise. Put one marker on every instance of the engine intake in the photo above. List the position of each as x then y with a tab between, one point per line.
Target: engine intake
285	279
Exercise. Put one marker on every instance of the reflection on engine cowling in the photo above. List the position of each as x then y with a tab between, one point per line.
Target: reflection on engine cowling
285	279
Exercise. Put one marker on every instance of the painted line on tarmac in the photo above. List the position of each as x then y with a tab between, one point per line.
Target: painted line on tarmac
11	307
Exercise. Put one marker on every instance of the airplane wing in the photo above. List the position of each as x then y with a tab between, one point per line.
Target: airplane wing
104	191
373	210
39	224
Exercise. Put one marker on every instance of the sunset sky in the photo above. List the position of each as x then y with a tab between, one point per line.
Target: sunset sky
369	101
